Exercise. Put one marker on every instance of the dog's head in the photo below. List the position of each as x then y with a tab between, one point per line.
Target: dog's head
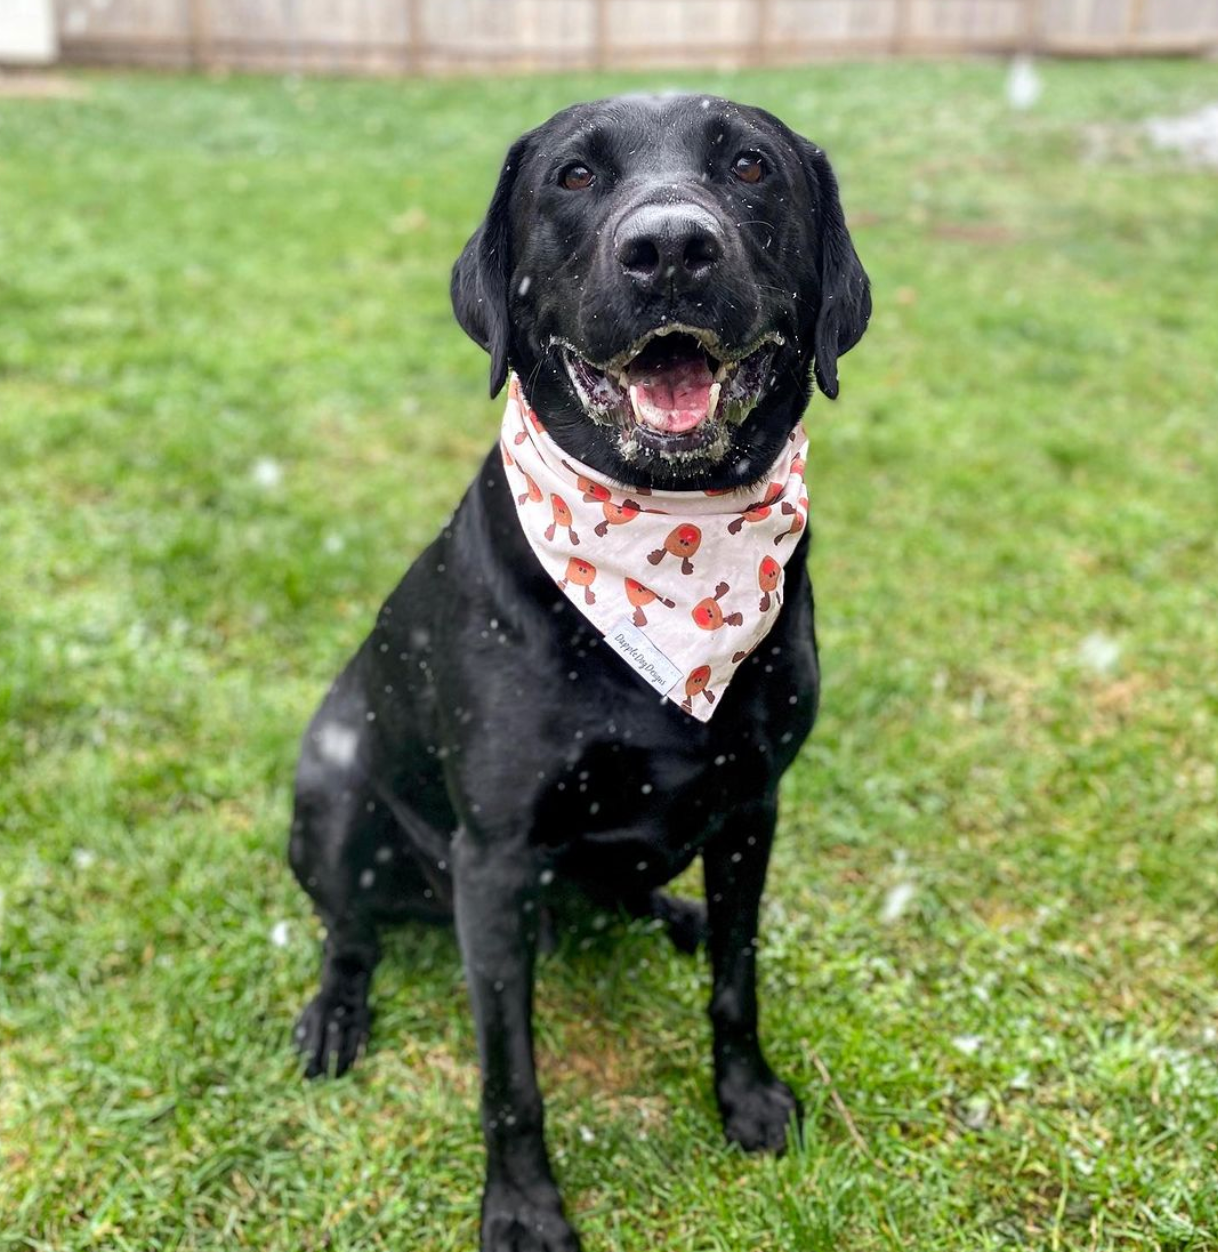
662	272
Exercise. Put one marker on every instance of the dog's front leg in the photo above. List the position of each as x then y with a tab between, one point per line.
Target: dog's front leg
496	882
757	1109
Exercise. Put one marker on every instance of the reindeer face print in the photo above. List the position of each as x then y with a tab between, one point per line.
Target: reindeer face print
756	512
616	515
697	684
592	491
532	492
583	574
562	517
533	420
639	596
768	574
683	541
798	514
709	616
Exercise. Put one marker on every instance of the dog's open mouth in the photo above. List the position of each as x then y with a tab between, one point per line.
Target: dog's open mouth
676	390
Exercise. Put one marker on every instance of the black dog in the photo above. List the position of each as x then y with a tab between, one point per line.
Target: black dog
439	778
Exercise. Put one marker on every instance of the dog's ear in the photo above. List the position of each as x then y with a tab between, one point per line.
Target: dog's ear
845	290
480	276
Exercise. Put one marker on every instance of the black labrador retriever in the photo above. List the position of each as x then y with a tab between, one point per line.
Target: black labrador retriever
453	771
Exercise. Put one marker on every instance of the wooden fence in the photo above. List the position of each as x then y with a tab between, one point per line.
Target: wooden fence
438	36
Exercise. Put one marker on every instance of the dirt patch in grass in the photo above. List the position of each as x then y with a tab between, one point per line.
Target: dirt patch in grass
597	1063
26	86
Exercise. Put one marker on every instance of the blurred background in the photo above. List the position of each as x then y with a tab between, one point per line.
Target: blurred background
234	406
395	36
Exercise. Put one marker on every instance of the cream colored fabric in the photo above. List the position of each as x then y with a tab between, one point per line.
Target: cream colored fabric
682	584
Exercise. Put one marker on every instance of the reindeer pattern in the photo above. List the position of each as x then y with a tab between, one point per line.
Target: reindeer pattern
697	575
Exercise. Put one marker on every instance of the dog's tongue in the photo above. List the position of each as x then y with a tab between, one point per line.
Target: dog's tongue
672	396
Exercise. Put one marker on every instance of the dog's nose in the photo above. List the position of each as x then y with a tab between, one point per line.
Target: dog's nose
669	245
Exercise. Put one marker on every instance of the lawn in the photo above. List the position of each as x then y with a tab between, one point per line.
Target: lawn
990	959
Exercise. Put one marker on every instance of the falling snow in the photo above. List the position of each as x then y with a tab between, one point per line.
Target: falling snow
267	472
1193	135
897	901
1024	85
337	743
975	1113
1099	653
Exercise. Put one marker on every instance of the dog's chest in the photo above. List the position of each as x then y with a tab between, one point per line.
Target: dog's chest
615	809
631	777
555	732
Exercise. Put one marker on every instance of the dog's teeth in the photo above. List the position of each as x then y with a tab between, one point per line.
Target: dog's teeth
623	380
721	373
634	401
713	403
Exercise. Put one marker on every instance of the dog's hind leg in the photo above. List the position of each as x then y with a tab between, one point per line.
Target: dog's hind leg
367	860
345	849
329	828
684	920
333	1029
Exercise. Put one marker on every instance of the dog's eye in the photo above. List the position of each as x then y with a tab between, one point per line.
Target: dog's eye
749	167
577	177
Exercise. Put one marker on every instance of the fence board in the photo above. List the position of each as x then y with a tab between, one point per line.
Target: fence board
435	36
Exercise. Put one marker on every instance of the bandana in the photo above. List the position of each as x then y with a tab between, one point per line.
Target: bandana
682	584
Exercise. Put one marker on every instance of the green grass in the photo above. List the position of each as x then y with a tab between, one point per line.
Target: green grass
197	275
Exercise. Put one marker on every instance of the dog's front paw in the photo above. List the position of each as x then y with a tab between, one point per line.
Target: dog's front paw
330	1034
525	1219
758	1112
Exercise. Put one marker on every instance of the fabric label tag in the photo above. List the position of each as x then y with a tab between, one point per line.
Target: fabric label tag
651	665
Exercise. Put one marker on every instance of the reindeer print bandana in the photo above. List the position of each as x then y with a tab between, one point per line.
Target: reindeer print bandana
682	584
